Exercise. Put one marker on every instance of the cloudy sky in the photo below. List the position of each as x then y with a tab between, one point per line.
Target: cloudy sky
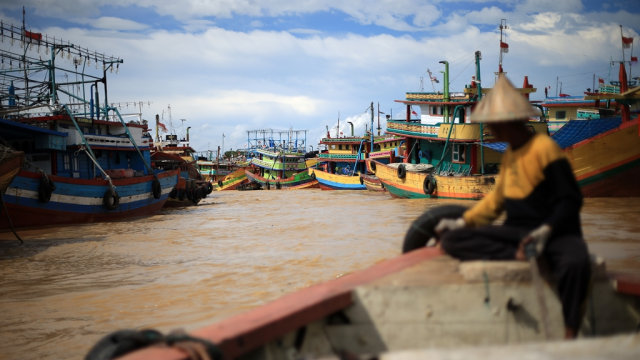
229	66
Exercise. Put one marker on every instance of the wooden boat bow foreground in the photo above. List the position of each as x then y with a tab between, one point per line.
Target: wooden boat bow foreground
420	300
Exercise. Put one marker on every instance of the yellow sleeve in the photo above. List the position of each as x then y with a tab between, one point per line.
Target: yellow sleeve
490	207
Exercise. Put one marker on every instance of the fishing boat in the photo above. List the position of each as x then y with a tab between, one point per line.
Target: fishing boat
604	151
232	180
171	153
224	174
372	183
83	162
343	163
601	136
10	164
279	160
461	165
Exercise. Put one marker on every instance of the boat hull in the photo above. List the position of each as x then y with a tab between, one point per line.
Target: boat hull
328	181
372	183
301	180
81	200
232	181
608	165
414	184
10	167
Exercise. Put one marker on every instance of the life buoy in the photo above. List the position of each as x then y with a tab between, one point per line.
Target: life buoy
45	189
111	199
156	188
209	188
429	185
372	165
422	228
402	171
220	183
278	186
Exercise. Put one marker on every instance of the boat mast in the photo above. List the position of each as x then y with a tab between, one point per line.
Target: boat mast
504	47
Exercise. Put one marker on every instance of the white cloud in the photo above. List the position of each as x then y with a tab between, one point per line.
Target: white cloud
116	24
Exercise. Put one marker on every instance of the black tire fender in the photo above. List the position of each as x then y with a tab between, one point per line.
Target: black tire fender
429	184
111	199
209	188
402	171
422	228
372	165
156	188
361	180
45	189
313	175
220	183
278	185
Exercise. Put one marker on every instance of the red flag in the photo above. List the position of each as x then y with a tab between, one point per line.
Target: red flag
414	113
626	42
634	59
33	35
162	127
504	47
600	81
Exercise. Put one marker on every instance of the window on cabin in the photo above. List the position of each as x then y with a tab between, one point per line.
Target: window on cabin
333	146
560	115
458	153
65	162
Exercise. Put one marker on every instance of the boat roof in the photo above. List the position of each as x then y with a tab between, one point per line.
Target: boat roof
572	132
19	127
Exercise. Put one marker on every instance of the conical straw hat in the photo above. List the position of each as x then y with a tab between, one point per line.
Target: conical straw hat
503	104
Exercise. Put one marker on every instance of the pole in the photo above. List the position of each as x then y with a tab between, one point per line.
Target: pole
371	133
446	90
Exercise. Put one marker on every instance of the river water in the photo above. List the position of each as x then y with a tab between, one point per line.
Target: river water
66	287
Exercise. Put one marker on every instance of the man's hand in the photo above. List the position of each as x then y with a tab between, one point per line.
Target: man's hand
533	244
449	224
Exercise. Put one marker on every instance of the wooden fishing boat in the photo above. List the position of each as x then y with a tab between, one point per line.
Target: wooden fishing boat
170	154
603	146
191	187
345	158
232	180
10	164
83	162
67	178
281	164
297	181
463	166
372	183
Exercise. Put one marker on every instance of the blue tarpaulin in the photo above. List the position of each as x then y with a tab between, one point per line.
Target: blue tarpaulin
572	132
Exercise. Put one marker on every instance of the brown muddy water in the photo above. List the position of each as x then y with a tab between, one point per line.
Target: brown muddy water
66	287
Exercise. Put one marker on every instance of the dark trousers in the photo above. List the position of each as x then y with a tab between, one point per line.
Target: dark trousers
566	256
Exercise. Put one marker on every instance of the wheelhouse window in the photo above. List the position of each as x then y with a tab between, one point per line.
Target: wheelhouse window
458	153
561	115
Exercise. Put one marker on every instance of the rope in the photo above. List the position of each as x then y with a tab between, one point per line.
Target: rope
123	342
